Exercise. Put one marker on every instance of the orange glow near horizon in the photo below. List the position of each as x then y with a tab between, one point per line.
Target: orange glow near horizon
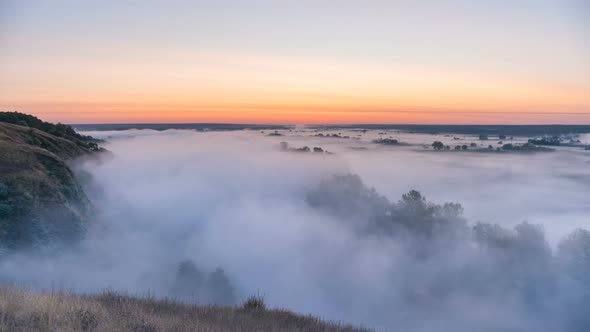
276	62
110	114
279	90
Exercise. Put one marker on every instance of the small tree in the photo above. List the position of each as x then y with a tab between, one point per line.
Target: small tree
189	279
220	288
438	145
318	150
254	302
574	255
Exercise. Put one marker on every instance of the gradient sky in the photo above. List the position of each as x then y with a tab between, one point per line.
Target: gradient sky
297	61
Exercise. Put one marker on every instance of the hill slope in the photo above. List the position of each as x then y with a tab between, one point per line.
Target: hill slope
40	199
26	311
59	130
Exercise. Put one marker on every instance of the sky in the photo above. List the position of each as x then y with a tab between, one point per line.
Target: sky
297	62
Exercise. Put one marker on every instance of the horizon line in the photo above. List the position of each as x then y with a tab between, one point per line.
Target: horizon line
316	125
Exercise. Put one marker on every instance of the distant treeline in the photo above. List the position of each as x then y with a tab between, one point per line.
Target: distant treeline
166	126
513	130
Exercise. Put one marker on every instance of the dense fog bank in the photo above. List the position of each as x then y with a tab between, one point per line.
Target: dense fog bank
217	216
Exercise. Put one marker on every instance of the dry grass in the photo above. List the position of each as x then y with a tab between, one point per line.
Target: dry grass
22	310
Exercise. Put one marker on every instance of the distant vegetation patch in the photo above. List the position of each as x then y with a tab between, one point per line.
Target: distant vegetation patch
551	141
490	130
509	147
275	133
284	146
338	135
388	141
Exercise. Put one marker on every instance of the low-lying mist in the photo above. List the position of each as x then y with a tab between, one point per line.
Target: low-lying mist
212	217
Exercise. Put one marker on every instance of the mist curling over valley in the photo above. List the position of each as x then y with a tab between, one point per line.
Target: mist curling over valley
377	228
247	166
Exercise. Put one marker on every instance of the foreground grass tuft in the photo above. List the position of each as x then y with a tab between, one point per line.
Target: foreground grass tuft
22	310
254	303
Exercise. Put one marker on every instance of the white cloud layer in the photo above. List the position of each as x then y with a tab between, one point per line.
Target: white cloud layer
234	200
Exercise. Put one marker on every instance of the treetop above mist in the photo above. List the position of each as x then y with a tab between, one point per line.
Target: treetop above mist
516	262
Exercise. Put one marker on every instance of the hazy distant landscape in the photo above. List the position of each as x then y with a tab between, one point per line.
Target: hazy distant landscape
412	166
372	227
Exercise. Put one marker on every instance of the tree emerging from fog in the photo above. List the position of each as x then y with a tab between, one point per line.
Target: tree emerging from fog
194	285
484	264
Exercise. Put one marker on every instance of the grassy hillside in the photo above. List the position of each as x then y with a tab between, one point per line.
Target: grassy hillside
39	196
55	129
27	311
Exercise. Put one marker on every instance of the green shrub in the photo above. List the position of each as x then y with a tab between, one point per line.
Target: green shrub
254	302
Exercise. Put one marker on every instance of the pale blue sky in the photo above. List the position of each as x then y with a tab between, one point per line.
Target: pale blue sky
532	37
545	41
